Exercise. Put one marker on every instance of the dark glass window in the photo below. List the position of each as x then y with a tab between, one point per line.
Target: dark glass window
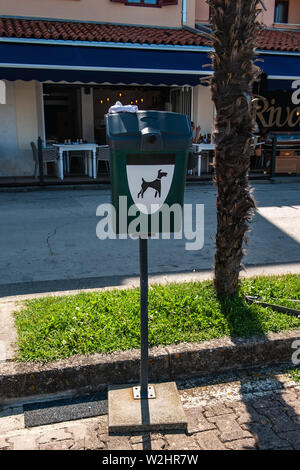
148	3
281	11
145	2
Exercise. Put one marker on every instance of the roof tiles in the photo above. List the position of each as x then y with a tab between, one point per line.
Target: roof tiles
268	39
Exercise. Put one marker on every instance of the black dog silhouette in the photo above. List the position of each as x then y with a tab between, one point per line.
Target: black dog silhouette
156	184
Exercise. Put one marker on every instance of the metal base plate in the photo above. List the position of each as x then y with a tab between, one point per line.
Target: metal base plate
137	392
128	415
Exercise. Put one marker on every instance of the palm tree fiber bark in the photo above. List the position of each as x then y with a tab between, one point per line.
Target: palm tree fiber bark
234	27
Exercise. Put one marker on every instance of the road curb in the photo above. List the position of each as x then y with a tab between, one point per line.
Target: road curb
19	380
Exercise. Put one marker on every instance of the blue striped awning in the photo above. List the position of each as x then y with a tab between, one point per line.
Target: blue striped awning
115	65
19	61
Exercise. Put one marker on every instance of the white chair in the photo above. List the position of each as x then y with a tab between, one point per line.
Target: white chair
103	154
49	155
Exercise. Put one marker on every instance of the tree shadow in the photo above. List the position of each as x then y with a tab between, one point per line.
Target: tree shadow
270	416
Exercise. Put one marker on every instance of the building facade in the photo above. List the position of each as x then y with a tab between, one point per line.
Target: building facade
63	63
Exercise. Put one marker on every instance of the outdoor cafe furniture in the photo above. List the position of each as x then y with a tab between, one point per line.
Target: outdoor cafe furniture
282	155
103	154
49	155
287	152
201	149
90	159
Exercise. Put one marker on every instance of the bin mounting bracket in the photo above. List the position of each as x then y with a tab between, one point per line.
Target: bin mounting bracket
137	392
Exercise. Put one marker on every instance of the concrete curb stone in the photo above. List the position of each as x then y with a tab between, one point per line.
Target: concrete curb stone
19	380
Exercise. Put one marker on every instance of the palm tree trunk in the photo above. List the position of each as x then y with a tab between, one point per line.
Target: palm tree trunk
233	36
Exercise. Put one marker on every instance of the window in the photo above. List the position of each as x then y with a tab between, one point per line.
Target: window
143	2
147	3
281	11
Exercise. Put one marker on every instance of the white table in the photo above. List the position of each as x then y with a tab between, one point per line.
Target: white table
198	148
90	162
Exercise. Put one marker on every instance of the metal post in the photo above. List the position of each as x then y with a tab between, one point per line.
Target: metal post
273	161
41	165
144	316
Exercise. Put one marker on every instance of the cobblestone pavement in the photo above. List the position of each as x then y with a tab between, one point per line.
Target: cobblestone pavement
254	410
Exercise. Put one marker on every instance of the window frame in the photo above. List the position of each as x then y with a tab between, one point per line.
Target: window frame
159	3
277	3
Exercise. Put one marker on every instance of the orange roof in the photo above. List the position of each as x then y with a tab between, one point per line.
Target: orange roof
268	39
68	31
279	40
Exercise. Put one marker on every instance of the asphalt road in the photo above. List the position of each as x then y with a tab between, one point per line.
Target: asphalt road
48	239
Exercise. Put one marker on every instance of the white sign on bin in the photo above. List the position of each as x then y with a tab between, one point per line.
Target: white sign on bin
149	179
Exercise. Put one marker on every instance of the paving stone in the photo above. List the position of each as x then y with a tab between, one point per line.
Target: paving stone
242	444
24	441
295	419
4	445
53	435
284	448
150	444
245	413
118	443
197	421
137	439
250	417
11	419
216	410
262	403
180	442
265	437
293	410
95	441
229	429
86	436
141	442
158	444
281	422
293	437
142	445
209	440
269	422
289	398
59	445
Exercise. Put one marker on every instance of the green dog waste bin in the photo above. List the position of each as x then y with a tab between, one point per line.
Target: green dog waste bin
148	161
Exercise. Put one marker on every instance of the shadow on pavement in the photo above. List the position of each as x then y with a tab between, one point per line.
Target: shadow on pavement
270	419
63	285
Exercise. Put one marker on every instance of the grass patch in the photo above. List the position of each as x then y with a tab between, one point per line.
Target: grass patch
295	374
53	328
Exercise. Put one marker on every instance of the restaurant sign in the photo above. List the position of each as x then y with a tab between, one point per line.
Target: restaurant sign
280	109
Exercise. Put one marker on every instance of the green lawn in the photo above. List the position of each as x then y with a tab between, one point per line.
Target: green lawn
295	374
58	327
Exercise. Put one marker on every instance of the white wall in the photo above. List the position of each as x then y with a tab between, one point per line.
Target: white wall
96	10
21	121
8	133
203	108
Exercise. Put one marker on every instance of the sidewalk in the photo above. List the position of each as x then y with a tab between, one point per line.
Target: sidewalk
249	410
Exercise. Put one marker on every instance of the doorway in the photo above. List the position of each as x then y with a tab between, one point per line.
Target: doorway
62	111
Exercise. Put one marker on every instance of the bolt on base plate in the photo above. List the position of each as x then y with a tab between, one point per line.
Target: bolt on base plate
137	392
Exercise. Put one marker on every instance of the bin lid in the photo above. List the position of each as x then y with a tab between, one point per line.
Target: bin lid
148	130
